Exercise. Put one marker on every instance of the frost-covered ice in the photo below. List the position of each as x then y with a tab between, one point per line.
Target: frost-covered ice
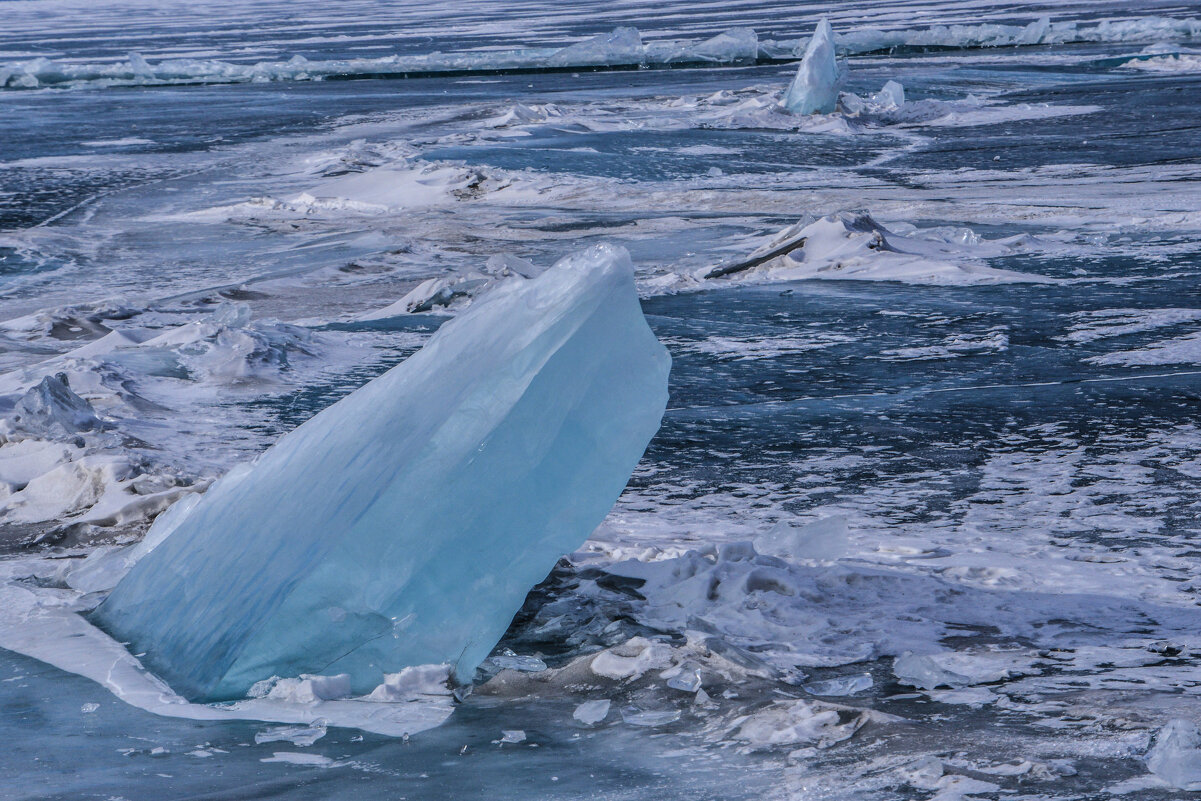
510	421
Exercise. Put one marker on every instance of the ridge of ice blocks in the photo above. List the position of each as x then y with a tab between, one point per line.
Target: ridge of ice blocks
405	524
814	90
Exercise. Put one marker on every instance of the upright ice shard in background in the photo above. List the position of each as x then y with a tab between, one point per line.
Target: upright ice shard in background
405	524
814	90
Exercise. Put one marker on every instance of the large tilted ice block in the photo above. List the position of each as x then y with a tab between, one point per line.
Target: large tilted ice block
405	524
814	90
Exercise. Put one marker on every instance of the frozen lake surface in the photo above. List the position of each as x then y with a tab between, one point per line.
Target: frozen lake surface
922	518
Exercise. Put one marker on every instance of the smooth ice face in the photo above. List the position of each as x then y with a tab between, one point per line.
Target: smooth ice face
814	90
405	524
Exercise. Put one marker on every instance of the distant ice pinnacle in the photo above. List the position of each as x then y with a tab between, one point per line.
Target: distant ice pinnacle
814	90
405	524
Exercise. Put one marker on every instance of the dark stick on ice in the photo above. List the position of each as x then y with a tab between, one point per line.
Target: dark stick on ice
730	268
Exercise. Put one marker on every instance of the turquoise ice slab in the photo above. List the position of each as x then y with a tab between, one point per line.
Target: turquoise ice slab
405	524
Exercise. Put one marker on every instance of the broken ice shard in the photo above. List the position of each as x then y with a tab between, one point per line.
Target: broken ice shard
814	90
405	524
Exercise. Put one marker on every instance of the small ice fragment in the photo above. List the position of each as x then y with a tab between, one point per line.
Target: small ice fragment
512	736
890	96
1176	755
638	717
507	660
714	172
922	671
591	712
814	90
302	736
843	685
89	708
688	680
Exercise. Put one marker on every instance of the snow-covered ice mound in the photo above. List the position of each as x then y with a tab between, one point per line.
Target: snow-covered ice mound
853	246
405	524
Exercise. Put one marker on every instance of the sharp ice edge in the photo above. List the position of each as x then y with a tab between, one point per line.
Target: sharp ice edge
442	446
619	48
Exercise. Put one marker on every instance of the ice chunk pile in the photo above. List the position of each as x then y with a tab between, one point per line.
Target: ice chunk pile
405	524
814	90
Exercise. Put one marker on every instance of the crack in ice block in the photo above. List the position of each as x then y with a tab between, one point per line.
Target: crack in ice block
405	524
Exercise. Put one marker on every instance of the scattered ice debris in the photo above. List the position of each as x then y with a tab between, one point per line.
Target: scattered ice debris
592	712
843	685
515	388
301	736
89	708
1176	756
814	90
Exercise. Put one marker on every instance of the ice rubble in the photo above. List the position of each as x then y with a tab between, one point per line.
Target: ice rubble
814	90
405	524
622	47
80	444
